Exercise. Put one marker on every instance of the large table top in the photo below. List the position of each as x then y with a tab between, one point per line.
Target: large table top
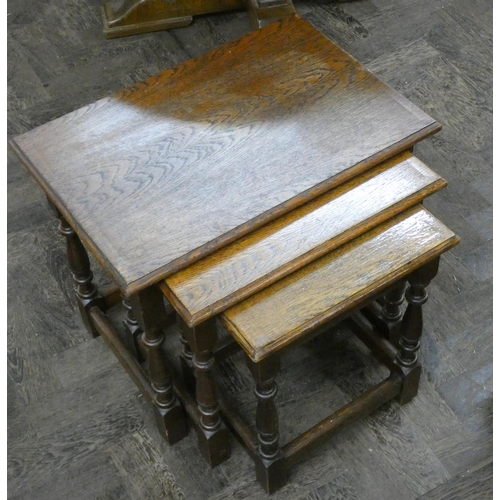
167	171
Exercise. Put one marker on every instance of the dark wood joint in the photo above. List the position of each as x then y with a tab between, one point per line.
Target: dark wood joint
271	474
171	422
202	337
410	382
133	332
111	294
149	309
214	445
392	311
84	306
264	371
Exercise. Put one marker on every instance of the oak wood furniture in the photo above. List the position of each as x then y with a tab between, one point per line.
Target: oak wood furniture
245	267
131	17
341	285
281	314
230	154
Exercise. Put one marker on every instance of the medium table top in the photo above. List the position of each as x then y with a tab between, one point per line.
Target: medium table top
167	171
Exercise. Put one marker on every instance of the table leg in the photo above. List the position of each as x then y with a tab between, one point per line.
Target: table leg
213	437
149	310
133	331
87	294
186	358
270	466
392	312
411	329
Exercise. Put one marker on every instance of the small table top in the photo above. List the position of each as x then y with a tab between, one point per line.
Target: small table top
169	170
289	309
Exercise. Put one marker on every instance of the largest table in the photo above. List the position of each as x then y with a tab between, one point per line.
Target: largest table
167	171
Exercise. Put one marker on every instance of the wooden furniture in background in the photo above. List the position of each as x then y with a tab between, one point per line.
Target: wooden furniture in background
131	17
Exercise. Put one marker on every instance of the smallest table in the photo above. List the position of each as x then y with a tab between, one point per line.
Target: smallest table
334	287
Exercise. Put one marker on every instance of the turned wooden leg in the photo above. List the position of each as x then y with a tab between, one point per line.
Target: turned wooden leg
149	310
133	331
78	261
411	329
213	437
186	358
392	312
270	468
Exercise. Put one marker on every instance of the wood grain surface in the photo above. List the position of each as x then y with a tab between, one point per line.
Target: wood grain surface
244	267
283	312
173	168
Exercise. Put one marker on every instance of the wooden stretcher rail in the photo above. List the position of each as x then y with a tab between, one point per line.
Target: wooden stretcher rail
295	450
378	345
240	429
127	360
133	368
356	409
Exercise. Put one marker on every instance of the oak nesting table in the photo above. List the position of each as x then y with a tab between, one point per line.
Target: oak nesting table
238	168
